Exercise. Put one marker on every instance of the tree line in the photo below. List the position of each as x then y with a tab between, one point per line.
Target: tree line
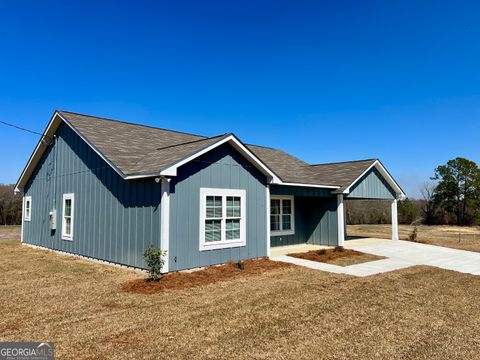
10	206
451	197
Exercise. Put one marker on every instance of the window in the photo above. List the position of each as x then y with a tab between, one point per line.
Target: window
28	208
222	218
68	216
282	215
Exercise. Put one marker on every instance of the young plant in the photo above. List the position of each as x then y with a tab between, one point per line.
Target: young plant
154	257
322	251
413	235
339	248
239	265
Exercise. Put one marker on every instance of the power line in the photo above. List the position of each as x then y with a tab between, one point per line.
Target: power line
25	129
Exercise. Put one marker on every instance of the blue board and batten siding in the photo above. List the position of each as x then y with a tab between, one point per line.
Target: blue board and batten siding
222	168
315	216
114	219
372	185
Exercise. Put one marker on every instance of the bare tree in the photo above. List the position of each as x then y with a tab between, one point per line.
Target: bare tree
429	209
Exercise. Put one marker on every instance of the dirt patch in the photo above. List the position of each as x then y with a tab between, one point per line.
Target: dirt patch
209	275
344	257
10	232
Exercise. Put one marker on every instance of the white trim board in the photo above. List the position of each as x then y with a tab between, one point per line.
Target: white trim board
237	145
35	157
309	185
165	222
223	243
71	197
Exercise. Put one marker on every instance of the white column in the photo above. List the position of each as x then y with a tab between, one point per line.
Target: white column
340	220
268	219
394	220
165	221
23	216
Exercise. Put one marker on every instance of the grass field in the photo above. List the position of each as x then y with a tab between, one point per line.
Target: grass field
465	238
293	313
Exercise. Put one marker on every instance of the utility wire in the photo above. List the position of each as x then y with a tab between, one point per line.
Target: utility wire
27	130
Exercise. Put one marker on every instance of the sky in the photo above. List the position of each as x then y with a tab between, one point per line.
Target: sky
323	80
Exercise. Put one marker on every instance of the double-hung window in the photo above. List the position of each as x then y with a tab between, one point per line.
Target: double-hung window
222	218
28	208
282	220
68	216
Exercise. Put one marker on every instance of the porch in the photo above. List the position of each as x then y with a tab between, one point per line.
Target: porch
304	218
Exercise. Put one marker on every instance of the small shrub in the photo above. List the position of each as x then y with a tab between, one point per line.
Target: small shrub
239	264
153	256
413	235
322	251
339	248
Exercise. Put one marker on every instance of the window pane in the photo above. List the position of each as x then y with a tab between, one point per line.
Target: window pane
287	206
274	206
233	230
233	206
68	226
286	222
213	230
275	222
68	207
214	207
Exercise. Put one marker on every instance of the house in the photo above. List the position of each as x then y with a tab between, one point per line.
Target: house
105	189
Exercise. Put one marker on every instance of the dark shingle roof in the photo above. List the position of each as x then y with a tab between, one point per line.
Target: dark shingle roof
340	173
143	150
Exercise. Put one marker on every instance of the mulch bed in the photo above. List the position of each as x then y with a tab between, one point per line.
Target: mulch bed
341	257
209	275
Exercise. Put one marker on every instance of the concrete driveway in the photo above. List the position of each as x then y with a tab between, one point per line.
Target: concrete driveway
407	252
399	254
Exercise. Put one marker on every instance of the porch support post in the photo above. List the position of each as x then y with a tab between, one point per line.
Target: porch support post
340	220
165	221
268	218
394	220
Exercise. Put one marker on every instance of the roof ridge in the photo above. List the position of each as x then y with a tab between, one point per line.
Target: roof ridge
190	142
343	162
265	147
132	123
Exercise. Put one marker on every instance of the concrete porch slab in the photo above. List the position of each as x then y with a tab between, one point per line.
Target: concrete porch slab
288	249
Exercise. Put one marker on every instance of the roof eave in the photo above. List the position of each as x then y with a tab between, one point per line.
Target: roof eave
55	121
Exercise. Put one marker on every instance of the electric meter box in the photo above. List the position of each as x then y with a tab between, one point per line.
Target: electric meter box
52	216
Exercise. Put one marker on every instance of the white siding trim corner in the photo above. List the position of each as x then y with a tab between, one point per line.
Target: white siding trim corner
165	221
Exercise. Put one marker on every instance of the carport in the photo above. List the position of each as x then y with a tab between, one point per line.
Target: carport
374	184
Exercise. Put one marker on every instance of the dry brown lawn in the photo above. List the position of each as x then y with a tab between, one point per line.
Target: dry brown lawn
345	257
457	237
292	313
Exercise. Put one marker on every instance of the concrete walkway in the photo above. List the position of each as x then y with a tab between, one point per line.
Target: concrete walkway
400	254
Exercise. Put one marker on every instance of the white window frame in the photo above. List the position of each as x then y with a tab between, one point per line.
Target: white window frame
71	197
292	220
223	243
28	217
